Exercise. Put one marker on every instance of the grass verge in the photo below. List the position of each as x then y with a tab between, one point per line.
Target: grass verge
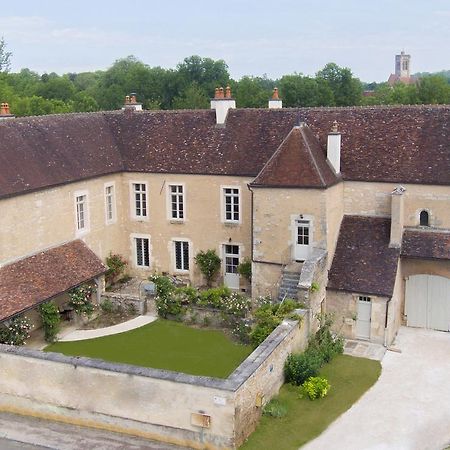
164	345
349	377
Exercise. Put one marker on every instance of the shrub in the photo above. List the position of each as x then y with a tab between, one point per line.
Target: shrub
208	263
269	316
315	387
50	320
116	266
245	269
301	366
214	297
275	408
80	300
241	330
323	340
107	306
16	332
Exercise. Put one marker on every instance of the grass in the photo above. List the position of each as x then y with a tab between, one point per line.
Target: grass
349	377
164	344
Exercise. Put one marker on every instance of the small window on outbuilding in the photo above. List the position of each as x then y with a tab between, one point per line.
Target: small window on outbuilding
424	219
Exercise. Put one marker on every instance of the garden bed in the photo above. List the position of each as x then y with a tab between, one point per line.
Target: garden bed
349	377
164	345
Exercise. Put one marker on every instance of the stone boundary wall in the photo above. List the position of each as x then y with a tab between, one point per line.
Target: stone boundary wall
198	412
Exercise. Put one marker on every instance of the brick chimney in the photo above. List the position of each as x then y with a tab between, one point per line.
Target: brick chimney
4	112
334	147
397	216
222	102
275	102
131	103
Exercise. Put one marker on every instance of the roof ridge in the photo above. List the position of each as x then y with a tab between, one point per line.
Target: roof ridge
311	154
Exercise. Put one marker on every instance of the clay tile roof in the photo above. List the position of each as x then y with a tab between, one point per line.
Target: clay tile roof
363	262
400	144
426	244
298	162
30	281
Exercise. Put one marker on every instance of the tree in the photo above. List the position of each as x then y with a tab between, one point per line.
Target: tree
208	263
347	90
192	98
298	90
252	92
5	57
206	72
433	89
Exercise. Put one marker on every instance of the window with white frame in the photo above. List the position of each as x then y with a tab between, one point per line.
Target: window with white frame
81	209
181	249
176	193
231	204
110	206
142	251
140	200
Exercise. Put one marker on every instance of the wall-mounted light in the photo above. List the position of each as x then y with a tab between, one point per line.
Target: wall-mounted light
229	239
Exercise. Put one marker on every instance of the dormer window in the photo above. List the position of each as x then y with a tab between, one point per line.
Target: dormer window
424	218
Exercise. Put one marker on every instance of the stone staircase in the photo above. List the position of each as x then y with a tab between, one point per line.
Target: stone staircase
289	281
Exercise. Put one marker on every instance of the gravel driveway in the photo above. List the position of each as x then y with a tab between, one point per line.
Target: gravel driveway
409	406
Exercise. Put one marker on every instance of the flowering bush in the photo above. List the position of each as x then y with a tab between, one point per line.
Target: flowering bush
315	387
236	305
116	266
16	332
80	300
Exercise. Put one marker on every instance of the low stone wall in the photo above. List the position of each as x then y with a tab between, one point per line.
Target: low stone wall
199	412
125	301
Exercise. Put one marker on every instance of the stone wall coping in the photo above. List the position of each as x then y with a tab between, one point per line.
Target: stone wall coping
232	383
309	268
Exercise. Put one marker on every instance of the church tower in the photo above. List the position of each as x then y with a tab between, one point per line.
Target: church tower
402	65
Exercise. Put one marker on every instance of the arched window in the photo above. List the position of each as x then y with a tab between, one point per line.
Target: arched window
424	219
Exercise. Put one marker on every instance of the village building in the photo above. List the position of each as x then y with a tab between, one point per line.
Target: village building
402	70
346	209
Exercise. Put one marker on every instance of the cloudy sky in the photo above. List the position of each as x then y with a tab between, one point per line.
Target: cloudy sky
254	37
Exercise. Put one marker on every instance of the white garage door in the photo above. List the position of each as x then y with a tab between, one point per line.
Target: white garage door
427	300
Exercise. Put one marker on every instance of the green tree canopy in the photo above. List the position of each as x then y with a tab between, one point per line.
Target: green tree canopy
347	90
5	57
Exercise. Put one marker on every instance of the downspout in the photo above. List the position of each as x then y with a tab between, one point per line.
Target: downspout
386	321
251	221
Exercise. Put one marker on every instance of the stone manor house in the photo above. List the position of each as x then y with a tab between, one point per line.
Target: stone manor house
347	209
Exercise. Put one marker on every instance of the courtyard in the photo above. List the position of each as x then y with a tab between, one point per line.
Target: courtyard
166	345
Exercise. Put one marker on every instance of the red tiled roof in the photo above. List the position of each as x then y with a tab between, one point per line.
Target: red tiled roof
426	244
30	281
363	262
407	144
298	162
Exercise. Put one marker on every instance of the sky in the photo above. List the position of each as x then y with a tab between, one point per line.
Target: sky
254	37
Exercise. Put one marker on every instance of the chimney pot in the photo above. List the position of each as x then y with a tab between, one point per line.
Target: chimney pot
275	101
216	93
228	92
221	92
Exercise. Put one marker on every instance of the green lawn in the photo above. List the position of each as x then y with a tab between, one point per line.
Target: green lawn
164	345
349	378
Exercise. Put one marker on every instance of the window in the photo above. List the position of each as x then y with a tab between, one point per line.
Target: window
142	250
110	207
140	200
181	255
363	298
232	207
81	210
176	201
303	232
424	219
